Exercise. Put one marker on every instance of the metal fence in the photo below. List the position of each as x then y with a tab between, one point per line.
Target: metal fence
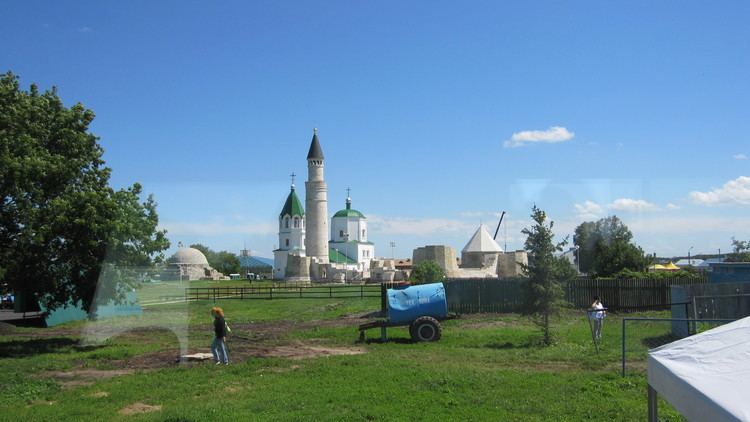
283	292
506	295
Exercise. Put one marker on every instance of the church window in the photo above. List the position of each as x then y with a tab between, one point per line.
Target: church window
286	222
296	222
363	233
287	243
341	233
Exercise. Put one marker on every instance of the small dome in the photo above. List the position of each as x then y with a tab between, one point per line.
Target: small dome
189	256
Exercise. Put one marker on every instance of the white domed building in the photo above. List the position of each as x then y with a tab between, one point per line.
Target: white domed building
349	246
190	264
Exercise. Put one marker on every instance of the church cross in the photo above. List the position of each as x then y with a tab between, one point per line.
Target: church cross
292	176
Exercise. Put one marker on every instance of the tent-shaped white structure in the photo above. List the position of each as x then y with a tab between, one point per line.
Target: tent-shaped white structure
704	376
481	251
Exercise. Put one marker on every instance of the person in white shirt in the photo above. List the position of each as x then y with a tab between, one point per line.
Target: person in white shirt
597	313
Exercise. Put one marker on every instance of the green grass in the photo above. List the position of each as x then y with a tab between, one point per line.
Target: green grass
486	367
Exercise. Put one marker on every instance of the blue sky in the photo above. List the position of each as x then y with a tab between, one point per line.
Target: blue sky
438	115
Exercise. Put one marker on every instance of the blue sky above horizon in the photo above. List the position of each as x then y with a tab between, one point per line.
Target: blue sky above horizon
438	115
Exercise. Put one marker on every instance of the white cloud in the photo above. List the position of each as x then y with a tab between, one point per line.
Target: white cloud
214	229
588	210
632	205
734	192
417	226
739	157
671	206
552	135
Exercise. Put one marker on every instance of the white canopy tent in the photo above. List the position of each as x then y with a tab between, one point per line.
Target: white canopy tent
705	377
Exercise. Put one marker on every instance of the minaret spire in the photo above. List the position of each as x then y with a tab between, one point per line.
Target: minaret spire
316	205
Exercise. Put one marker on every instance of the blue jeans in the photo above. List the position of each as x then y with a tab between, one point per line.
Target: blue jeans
219	349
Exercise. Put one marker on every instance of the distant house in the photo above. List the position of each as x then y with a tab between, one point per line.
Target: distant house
692	262
729	272
706	264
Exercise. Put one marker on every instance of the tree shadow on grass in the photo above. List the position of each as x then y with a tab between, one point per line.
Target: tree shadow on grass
508	345
657	341
397	340
24	348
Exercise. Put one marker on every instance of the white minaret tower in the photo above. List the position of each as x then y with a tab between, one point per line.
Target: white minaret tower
316	203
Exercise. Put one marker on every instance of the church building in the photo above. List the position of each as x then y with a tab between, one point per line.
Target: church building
349	245
305	251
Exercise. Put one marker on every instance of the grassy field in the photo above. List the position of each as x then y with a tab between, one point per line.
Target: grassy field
298	360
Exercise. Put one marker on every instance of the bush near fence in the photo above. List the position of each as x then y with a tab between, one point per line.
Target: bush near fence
504	295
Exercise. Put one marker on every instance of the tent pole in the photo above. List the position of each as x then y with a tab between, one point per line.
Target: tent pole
652	404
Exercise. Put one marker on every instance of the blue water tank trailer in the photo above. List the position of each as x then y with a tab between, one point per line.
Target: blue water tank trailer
419	307
407	303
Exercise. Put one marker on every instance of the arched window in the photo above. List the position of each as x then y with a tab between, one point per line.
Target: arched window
296	222
341	233
286	222
287	243
363	233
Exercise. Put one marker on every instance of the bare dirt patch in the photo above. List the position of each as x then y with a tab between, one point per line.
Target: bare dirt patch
305	351
137	408
232	388
82	377
100	394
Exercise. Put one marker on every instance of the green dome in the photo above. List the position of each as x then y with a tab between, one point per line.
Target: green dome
292	206
349	213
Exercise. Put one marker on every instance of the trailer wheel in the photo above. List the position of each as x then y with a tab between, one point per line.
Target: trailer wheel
425	329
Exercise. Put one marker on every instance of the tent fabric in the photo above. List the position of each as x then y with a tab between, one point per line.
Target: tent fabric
482	242
705	376
671	266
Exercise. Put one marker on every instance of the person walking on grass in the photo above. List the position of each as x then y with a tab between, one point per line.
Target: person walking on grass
598	313
219	345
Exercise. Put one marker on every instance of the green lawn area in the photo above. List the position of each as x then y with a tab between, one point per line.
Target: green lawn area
298	360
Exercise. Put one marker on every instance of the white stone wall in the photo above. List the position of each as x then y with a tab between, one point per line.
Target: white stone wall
356	228
291	235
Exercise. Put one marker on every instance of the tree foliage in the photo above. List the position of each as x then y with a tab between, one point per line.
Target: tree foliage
543	294
427	272
740	251
605	248
222	261
59	218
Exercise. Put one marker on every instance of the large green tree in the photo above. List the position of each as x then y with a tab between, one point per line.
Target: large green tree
606	248
427	272
542	292
222	261
60	221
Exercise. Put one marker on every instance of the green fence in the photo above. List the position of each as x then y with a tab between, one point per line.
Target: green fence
505	295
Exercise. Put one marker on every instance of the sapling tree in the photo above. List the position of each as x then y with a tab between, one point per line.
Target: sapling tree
542	292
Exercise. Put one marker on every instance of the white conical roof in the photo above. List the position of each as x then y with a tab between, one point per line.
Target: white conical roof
482	242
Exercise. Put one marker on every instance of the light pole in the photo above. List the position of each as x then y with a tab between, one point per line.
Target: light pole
690	262
393	245
578	259
346	254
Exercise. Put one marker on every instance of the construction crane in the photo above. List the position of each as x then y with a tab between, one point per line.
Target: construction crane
498	225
